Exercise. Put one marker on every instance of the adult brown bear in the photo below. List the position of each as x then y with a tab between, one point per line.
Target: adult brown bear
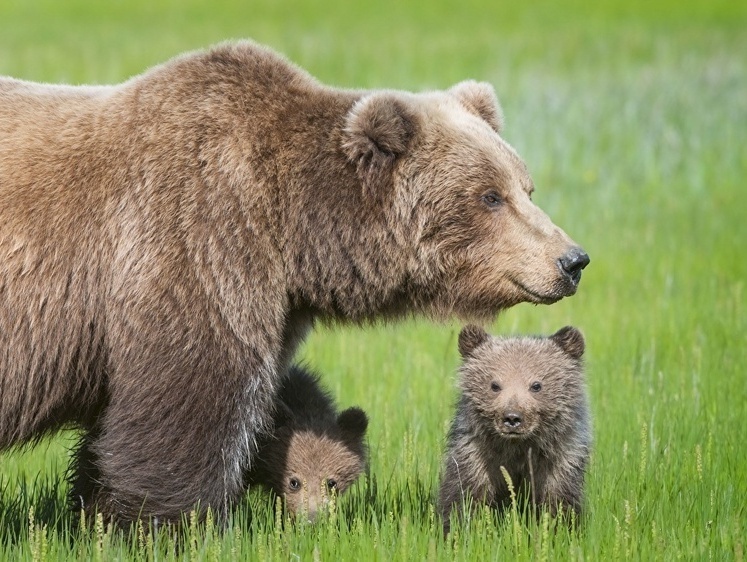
167	243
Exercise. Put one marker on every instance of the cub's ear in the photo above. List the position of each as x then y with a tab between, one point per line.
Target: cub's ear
378	130
469	338
479	99
570	340
353	422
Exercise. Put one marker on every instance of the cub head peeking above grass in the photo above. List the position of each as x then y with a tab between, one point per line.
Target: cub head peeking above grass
313	451
523	408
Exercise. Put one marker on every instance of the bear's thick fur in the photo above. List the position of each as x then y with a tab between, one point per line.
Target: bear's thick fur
523	408
166	244
312	449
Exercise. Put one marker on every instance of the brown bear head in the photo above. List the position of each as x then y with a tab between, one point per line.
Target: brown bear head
315	463
524	387
461	200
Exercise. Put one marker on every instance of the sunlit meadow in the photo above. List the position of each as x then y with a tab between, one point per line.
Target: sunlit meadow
632	118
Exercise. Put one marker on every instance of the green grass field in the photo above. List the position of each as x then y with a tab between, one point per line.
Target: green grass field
632	117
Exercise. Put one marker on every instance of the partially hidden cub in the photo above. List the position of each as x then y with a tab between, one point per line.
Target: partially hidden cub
313	451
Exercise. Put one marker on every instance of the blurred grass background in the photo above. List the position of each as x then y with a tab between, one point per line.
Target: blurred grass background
632	117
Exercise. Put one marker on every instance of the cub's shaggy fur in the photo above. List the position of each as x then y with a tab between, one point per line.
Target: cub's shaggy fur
167	243
523	407
313	450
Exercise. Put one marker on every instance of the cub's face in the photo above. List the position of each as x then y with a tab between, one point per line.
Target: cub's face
522	387
317	466
313	463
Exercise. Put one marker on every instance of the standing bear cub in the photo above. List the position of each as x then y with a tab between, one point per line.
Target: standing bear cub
313	451
167	243
523	408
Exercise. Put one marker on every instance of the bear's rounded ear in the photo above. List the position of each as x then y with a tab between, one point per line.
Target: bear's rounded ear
378	130
570	340
353	422
470	337
479	99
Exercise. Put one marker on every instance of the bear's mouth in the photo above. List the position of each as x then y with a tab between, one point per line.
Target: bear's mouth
515	434
511	432
536	297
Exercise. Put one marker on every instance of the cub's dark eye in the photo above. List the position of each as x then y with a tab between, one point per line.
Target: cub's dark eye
495	387
331	483
536	387
294	483
492	200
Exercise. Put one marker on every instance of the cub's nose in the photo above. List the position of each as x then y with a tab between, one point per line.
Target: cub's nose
512	420
573	262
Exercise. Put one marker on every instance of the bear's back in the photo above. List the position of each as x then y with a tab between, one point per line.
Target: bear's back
30	109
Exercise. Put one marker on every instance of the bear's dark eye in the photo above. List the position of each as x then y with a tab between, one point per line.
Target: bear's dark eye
492	200
294	484
331	483
536	387
495	387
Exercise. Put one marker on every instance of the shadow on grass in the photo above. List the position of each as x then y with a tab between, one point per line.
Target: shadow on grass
41	503
377	500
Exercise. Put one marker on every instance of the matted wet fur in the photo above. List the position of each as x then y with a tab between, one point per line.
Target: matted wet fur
314	451
167	243
524	407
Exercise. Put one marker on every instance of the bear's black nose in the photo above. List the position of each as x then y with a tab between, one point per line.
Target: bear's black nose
512	420
573	262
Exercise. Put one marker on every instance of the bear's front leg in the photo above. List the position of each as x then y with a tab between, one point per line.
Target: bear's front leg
464	483
178	432
561	491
